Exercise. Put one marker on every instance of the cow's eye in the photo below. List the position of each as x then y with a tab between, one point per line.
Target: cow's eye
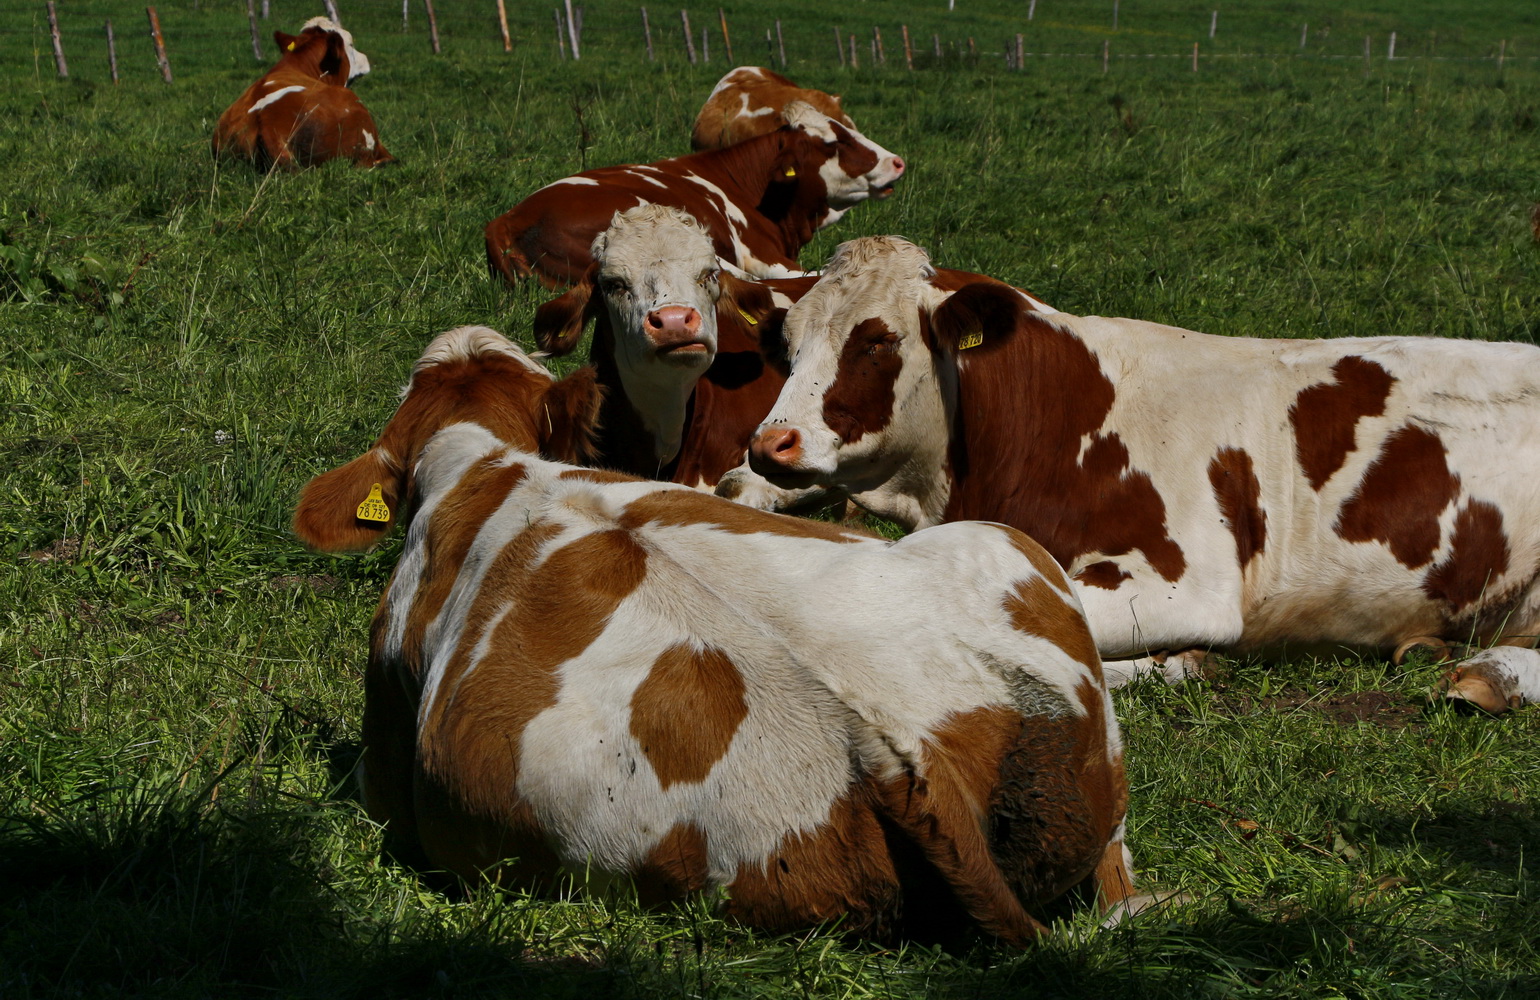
885	344
708	276
615	286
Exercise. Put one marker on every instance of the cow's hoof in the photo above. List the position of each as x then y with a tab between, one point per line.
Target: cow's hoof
1432	644
1187	665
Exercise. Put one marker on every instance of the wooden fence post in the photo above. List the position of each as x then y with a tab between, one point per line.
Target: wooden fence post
160	45
1195	57
1021	53
1366	53
561	35
855	59
780	42
1213	24
58	45
1391	52
266	10
689	42
769	48
647	33
405	4
112	52
908	50
881	56
432	25
1114	15
502	24
1304	34
839	45
1502	54
256	37
973	50
727	42
1106	53
1031	9
331	12
935	45
705	45
572	29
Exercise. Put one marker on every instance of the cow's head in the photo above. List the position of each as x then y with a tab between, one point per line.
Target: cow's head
657	278
825	153
323	49
873	350
468	375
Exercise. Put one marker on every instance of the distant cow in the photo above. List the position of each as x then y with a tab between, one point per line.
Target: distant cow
747	102
1201	491
579	672
676	345
761	200
301	112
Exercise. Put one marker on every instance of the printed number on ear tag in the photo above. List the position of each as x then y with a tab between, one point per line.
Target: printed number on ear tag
751	319
373	508
972	338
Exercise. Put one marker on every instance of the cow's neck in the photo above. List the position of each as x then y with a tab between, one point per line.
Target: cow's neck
638	434
743	171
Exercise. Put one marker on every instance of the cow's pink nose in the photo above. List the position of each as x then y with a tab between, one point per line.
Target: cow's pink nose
898	164
673	325
778	447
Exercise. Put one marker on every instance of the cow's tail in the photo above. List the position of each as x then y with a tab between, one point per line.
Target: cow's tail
503	256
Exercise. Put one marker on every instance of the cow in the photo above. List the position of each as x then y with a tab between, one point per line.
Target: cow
747	102
675	344
761	200
577	673
1201	491
302	112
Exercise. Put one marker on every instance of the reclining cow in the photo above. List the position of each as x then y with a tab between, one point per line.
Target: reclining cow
747	102
576	671
1201	491
761	200
302	112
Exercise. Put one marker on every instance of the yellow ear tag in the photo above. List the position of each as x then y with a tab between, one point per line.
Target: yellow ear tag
290	46
972	338
373	508
751	319
791	171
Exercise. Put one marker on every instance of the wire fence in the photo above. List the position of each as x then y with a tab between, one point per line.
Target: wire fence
202	35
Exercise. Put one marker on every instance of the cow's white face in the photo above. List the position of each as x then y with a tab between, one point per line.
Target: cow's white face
660	279
864	401
358	63
854	168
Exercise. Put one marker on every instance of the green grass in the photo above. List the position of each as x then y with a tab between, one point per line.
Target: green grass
183	346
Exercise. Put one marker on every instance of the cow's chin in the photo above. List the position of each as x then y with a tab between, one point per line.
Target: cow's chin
787	479
883	192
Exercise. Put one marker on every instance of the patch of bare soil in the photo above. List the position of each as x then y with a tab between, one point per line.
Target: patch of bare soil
1380	708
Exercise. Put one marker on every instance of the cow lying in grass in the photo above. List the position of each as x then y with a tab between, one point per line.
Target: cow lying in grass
761	200
747	102
1201	491
574	671
302	112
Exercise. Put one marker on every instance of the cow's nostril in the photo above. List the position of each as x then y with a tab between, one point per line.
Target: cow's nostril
788	441
898	164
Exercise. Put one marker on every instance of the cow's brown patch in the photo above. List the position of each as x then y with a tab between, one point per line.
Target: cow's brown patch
1325	415
1027	398
676	867
1239	494
1037	609
686	711
1400	497
673	508
471	734
855	158
597	476
861	399
1036	555
1105	574
455	523
842	868
1478	555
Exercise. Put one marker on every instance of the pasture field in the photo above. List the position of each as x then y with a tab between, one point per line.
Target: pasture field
183	345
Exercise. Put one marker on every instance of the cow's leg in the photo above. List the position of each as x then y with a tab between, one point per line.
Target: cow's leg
1496	679
1173	668
744	486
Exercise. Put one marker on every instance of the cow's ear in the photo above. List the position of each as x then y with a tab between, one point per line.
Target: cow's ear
559	323
352	507
569	417
750	307
334	61
286	43
980	314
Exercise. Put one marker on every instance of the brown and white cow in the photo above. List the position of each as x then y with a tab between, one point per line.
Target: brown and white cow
761	200
578	672
676	346
747	102
1201	491
302	112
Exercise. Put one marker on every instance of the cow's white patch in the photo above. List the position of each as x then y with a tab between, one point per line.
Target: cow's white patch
369	140
276	95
